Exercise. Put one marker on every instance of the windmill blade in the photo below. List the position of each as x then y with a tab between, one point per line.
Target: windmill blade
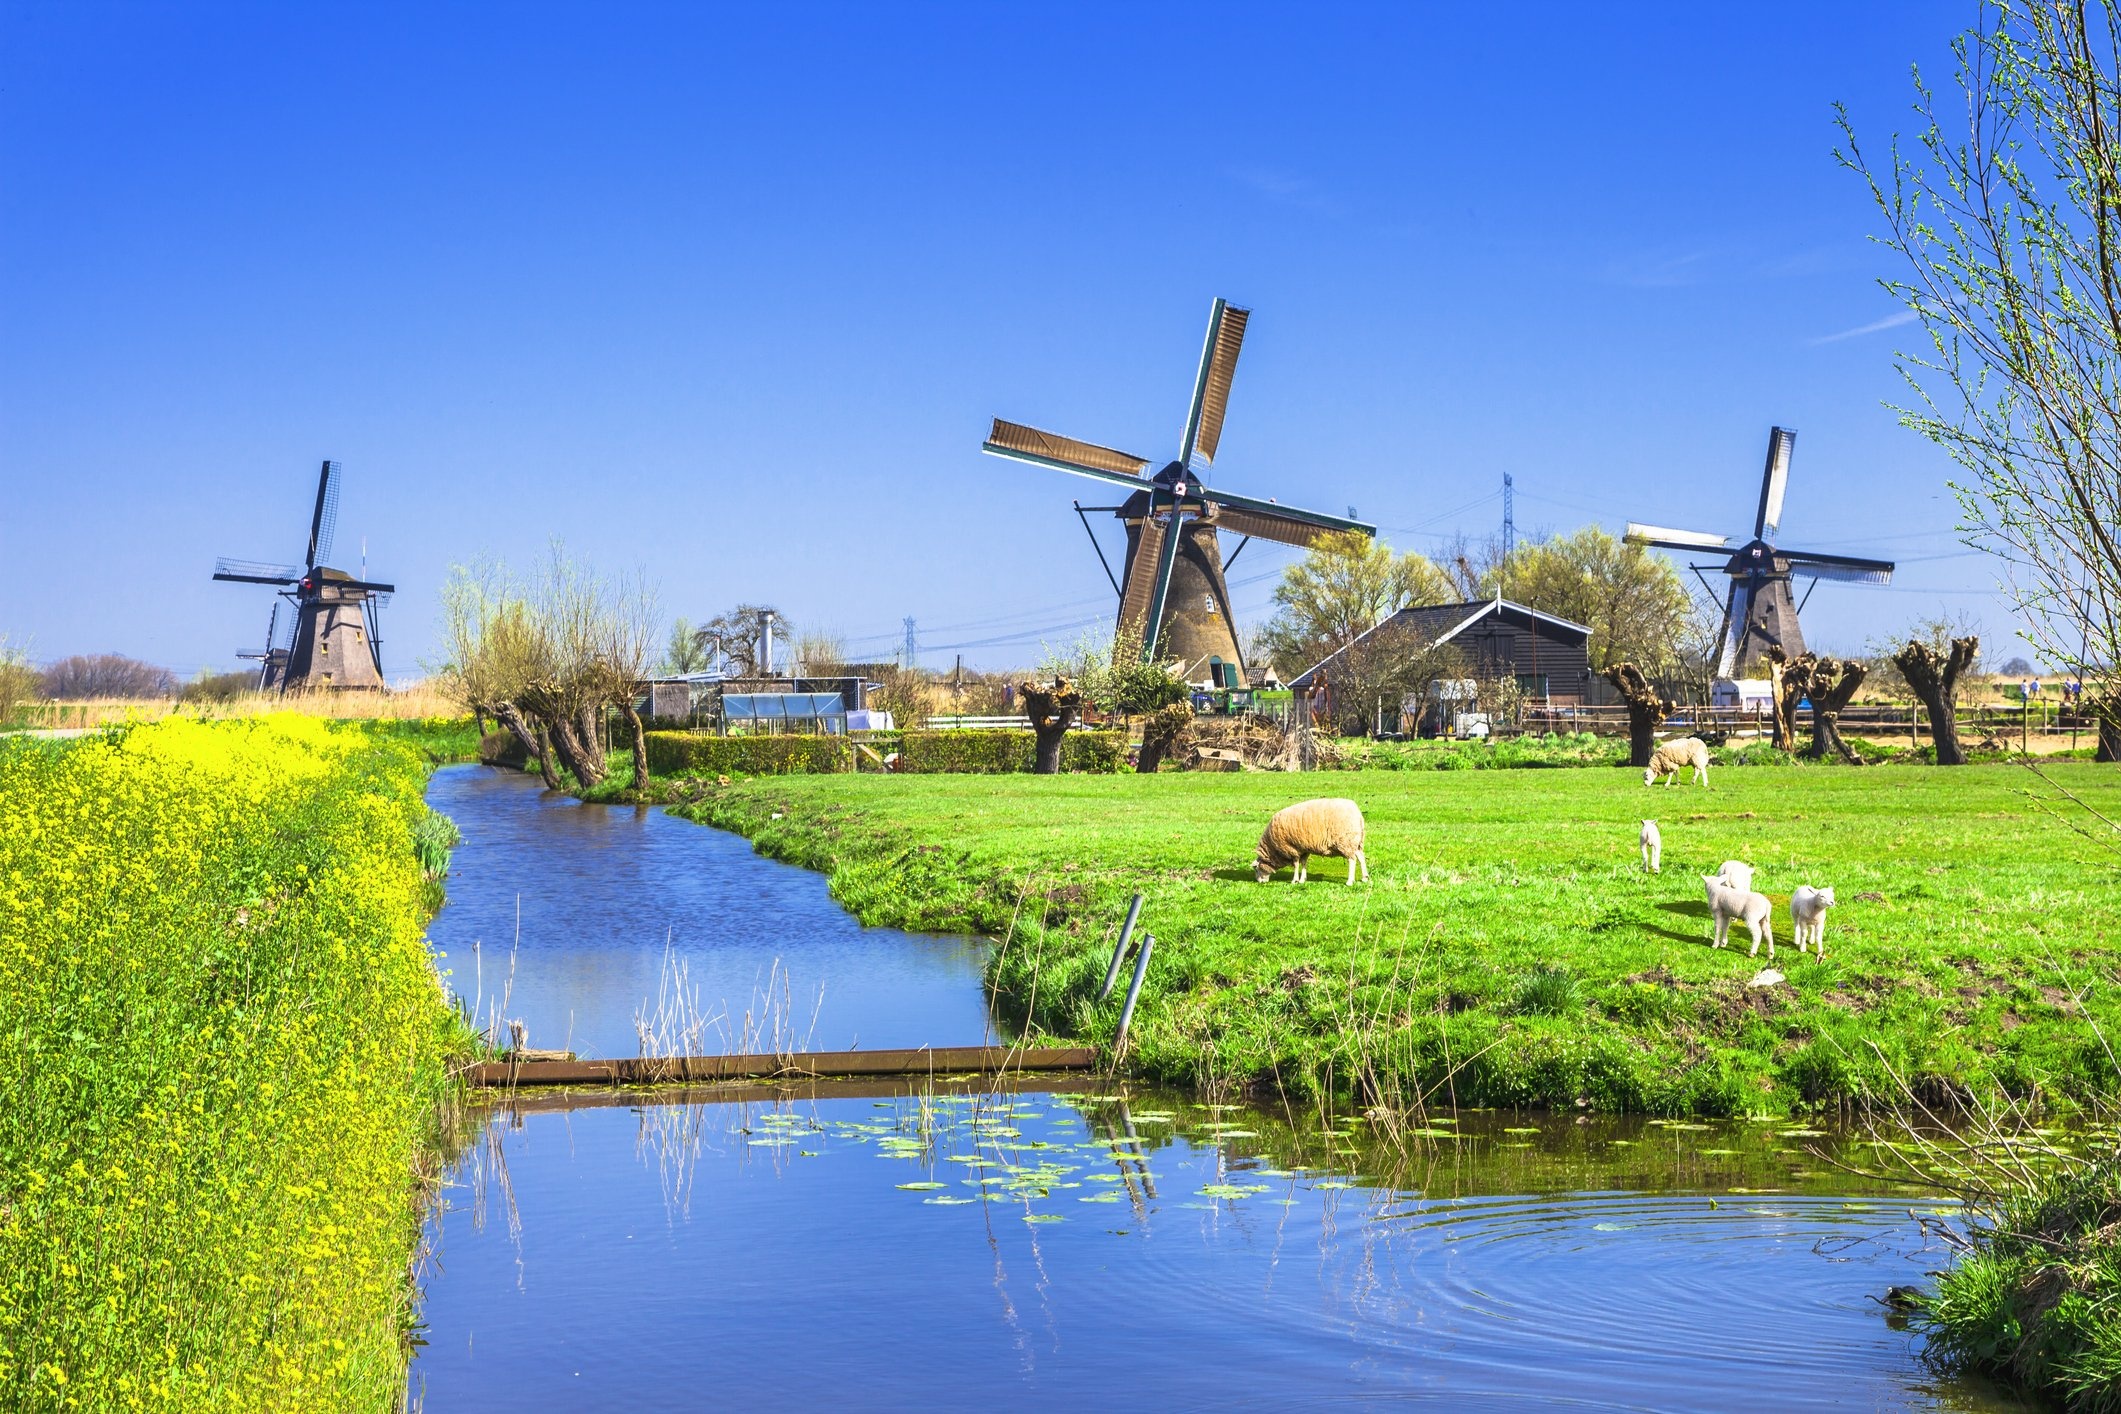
1143	577
1211	387
1843	569
1665	539
255	572
1282	530
1230	502
1774	480
324	521
368	585
1050	449
281	631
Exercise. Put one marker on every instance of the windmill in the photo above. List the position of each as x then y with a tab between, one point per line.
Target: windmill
1760	612
325	633
1172	590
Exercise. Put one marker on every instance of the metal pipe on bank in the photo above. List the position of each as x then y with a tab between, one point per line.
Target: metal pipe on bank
1126	932
1134	989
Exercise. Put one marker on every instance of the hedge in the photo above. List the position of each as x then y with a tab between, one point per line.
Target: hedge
986	751
673	753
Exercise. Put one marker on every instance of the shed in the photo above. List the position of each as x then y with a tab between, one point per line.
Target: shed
1547	655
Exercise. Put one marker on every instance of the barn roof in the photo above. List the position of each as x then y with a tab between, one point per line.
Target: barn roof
1440	623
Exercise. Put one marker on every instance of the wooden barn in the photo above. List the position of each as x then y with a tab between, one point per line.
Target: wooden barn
1548	656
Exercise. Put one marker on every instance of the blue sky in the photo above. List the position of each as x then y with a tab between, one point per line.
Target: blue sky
729	295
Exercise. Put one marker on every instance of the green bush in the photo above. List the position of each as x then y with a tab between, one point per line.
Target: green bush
1000	751
680	753
500	748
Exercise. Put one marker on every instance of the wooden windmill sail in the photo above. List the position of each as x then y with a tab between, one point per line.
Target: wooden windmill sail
1760	611
1173	595
326	634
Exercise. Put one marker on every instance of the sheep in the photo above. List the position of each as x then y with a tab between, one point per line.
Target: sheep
1738	875
1652	848
1808	908
1332	828
1726	903
1673	757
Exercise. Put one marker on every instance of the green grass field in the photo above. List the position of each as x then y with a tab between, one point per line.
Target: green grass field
1510	949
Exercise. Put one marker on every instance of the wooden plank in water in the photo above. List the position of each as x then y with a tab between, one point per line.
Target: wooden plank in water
546	1098
938	1060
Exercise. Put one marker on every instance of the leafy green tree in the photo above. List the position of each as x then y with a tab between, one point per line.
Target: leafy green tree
1345	585
1634	601
684	653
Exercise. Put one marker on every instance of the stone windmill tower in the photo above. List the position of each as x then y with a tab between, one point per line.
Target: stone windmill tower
1760	609
1173	595
326	633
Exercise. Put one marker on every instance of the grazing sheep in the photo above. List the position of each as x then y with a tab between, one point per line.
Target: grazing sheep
1652	848
1324	827
1727	903
1808	908
1673	757
1739	876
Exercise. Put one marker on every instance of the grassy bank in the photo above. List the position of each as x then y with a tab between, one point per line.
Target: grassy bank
223	1046
1510	949
2034	1300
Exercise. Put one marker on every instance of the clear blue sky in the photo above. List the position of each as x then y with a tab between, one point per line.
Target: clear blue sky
730	294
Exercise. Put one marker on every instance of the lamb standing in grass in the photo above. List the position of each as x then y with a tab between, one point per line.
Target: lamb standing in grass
1325	827
1673	757
1652	848
1738	875
1727	903
1808	908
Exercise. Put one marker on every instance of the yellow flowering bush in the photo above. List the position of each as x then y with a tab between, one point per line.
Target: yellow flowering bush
222	1044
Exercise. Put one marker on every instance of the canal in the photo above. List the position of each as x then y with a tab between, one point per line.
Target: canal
887	1246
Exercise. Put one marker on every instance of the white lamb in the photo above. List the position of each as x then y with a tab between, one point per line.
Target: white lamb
1673	757
1808	908
1652	848
1727	903
1739	876
1330	827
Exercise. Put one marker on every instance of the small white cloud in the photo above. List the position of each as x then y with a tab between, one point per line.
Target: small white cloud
1288	189
1876	326
1659	270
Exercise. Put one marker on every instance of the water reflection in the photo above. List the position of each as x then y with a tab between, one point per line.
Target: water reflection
881	1247
566	910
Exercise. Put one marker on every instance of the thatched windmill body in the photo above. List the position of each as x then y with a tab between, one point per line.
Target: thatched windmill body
1173	595
1760	609
324	629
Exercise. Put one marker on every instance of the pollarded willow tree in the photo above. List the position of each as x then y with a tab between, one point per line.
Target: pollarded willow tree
548	659
2009	218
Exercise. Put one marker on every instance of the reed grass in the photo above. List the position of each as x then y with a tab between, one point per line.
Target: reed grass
416	700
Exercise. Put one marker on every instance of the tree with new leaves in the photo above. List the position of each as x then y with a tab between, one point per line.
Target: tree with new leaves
1343	586
2007	211
1634	600
547	659
683	652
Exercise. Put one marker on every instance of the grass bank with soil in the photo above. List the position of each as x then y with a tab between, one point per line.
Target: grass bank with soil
223	1047
1511	951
